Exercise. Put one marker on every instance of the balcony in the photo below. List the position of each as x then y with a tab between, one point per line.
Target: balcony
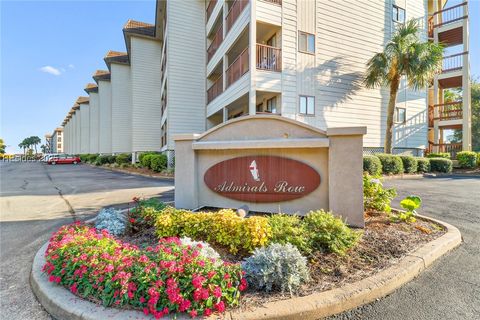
453	62
450	15
268	58
237	68
450	34
451	148
215	90
210	7
235	10
216	42
445	112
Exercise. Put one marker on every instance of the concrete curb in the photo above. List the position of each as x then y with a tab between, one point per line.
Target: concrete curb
62	304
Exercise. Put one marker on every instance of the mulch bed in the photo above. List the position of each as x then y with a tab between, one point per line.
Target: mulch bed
141	171
383	243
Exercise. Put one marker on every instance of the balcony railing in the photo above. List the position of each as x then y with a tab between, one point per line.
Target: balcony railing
235	10
453	62
430	26
451	148
210	6
237	68
269	58
215	90
448	111
216	42
452	14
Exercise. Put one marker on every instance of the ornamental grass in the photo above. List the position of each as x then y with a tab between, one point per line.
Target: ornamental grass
160	280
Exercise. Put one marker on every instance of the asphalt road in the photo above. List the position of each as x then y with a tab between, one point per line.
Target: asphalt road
35	200
450	288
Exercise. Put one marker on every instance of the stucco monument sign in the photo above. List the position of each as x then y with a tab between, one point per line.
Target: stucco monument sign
272	164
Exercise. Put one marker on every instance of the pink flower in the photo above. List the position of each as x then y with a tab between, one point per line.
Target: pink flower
109	268
217	292
145	311
205	294
193	313
207	312
211	274
197	281
220	307
243	284
73	288
226	276
142	300
184	305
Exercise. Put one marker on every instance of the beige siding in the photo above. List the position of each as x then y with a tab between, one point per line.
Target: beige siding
85	130
105	116
269	12
94	120
186	92
348	34
121	109
78	132
146	106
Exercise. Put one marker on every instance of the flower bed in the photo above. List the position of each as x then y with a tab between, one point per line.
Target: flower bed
166	278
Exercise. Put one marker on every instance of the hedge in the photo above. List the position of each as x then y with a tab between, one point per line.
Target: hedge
146	160
444	155
143	154
467	159
123	158
410	164
391	164
158	162
441	165
92	158
372	165
423	165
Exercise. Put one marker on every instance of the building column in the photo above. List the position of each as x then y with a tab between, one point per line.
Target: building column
466	94
252	40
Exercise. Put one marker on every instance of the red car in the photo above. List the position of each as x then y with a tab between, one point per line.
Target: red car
64	158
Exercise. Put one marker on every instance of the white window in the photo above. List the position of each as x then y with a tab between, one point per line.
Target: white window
306	42
400	115
398	14
307	105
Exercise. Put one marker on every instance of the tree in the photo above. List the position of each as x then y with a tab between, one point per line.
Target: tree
44	148
404	55
34	141
2	146
23	145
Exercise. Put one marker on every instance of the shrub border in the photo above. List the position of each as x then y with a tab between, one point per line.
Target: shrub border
62	304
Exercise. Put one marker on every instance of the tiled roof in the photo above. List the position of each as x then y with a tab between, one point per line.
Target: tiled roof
116	57
141	28
82	100
91	87
101	75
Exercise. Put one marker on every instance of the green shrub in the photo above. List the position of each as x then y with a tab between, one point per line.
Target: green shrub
478	159
372	165
112	159
444	155
391	164
441	165
329	233
158	162
276	267
143	154
92	158
101	160
467	159
410	164
83	157
375	197
289	229
123	158
146	160
423	165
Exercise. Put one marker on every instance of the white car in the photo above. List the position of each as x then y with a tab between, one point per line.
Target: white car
48	156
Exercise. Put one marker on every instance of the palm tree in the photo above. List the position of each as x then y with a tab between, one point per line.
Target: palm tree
404	55
22	145
35	140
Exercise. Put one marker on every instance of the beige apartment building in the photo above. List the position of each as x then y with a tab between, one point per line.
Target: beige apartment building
205	62
56	140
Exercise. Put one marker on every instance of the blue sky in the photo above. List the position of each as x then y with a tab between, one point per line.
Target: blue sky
50	50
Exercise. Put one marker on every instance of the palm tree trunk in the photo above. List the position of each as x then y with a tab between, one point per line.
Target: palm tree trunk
390	112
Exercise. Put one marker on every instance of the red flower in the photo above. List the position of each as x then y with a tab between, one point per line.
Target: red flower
217	292
193	313
207	312
184	305
220	307
73	288
243	284
132	220
145	311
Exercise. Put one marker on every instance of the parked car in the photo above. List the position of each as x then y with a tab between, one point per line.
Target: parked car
64	159
48	156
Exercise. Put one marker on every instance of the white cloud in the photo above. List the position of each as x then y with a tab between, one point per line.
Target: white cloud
71	66
51	70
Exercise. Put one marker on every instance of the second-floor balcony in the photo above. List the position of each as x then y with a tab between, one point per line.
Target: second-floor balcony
268	58
446	111
448	16
237	68
215	89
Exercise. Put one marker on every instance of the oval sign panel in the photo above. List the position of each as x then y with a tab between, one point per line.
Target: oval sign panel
262	179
